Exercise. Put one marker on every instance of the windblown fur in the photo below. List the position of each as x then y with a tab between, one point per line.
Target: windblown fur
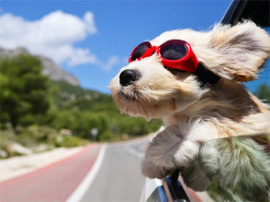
217	134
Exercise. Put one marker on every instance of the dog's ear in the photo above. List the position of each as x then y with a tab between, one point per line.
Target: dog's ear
238	51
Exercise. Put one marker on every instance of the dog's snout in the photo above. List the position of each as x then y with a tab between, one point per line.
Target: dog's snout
128	77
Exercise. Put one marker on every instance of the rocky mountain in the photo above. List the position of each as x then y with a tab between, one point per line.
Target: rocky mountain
50	68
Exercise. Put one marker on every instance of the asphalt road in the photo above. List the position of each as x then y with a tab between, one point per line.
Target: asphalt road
119	178
52	183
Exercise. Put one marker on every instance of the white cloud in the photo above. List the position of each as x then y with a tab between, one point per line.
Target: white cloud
113	60
53	35
82	56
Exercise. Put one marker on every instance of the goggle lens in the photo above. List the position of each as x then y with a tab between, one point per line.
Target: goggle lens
140	50
173	50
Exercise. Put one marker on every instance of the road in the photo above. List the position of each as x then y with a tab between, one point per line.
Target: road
117	178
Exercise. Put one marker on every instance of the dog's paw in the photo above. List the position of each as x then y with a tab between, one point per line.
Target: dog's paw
162	148
186	153
153	171
171	150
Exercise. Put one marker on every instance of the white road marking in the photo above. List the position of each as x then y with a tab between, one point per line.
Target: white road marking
82	188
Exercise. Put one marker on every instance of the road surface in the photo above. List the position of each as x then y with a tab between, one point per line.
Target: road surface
116	178
119	178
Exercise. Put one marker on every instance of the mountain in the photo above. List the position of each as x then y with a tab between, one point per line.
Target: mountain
70	97
50	68
70	94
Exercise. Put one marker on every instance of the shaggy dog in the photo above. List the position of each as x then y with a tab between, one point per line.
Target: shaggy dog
216	134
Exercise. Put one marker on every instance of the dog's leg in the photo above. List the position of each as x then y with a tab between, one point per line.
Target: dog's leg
168	151
151	170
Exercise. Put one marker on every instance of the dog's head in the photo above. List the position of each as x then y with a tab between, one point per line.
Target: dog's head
146	88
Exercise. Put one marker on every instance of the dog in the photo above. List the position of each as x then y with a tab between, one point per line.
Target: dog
216	132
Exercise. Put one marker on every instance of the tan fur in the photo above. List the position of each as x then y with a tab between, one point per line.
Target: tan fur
193	115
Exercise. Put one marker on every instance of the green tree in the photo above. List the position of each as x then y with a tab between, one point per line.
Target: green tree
25	92
65	119
263	92
88	120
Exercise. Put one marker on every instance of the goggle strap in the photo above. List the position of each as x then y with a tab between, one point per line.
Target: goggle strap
206	76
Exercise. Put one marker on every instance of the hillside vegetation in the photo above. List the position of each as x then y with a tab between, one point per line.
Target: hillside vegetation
41	114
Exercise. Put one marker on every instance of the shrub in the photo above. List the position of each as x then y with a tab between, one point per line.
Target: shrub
69	141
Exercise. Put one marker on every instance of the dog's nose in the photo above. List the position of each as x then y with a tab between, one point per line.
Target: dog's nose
128	76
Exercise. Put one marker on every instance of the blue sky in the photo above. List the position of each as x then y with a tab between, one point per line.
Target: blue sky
98	36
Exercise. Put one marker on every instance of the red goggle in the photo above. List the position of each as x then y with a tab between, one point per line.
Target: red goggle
174	54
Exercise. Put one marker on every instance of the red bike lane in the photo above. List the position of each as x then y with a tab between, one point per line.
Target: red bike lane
52	183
